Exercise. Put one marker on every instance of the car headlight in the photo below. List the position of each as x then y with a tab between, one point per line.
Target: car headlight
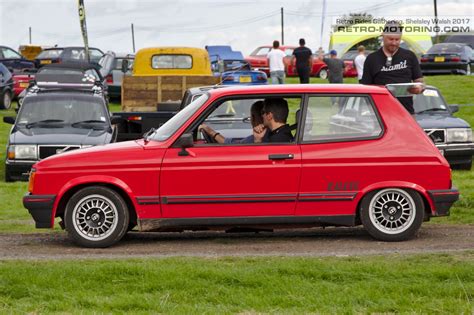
459	135
22	152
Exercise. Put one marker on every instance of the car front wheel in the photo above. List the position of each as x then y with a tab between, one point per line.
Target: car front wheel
392	214
6	100
96	217
323	74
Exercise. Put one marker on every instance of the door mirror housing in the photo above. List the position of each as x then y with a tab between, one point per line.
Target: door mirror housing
9	120
185	141
125	65
454	108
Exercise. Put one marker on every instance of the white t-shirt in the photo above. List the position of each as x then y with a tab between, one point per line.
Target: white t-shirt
275	57
359	64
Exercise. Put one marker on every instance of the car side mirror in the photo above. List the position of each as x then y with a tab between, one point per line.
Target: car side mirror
184	142
114	120
125	65
9	120
454	108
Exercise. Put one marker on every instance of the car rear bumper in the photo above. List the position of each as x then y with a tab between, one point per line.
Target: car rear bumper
436	67
40	208
457	153
443	200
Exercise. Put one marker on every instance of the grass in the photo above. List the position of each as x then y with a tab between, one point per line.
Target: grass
456	90
429	284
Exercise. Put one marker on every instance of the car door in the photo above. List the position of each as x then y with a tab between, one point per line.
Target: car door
230	180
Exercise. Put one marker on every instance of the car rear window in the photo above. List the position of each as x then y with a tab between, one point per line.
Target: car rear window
445	49
50	53
172	62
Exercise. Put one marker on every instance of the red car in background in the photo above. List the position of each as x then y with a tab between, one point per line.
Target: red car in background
21	81
350	70
258	60
363	161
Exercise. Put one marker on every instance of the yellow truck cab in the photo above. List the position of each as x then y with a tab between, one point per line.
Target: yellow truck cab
172	61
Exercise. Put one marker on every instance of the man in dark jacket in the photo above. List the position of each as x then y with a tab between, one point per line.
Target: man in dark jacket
304	61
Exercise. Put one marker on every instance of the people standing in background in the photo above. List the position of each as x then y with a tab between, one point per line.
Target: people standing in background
275	63
335	67
304	61
359	62
393	64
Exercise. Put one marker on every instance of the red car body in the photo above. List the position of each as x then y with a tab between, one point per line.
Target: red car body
258	60
168	186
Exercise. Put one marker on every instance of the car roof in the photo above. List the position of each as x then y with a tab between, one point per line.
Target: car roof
70	47
72	65
301	88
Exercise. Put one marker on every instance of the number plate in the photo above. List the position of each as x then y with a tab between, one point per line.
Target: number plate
439	59
24	84
245	79
45	62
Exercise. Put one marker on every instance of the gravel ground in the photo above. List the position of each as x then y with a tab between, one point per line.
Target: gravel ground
307	242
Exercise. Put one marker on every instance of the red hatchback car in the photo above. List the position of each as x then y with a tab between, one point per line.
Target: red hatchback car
258	60
357	157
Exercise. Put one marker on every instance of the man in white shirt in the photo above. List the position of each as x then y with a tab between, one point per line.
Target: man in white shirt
275	63
359	61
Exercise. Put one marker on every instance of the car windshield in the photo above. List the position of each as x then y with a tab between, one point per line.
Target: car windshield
429	101
172	125
445	49
79	111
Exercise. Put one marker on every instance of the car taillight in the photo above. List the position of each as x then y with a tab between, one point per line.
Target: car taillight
455	59
228	78
31	183
110	78
261	78
424	59
134	118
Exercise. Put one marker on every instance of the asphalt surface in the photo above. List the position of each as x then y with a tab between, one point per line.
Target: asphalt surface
315	242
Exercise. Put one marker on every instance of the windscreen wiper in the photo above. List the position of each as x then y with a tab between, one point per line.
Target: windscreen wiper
431	110
46	121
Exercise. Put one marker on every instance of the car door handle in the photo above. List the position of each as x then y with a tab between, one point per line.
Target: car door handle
281	157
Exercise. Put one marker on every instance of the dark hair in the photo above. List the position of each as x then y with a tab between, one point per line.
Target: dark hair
256	113
278	107
276	44
393	27
302	42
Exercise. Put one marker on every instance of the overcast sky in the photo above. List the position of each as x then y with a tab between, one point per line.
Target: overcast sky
242	24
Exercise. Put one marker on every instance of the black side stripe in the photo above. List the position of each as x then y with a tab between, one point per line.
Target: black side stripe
327	197
148	200
229	199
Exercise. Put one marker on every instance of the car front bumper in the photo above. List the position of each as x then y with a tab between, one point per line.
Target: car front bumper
457	153
18	170
443	200
40	208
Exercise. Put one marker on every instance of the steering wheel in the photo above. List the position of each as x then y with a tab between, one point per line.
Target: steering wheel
207	137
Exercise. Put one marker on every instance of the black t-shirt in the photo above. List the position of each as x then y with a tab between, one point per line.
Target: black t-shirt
405	68
281	134
302	55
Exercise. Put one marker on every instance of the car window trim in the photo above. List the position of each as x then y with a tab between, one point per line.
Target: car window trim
371	102
221	100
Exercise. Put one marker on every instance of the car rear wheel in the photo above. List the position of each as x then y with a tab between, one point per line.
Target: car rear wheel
323	74
96	217
392	214
6	100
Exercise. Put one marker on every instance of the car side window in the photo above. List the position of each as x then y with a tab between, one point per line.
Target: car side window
10	54
340	118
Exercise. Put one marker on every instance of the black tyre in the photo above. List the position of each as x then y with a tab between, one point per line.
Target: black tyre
392	214
465	166
8	178
323	74
6	100
96	217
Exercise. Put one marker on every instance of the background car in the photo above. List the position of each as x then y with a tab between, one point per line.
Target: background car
258	60
13	60
447	58
114	79
63	54
6	88
231	66
350	70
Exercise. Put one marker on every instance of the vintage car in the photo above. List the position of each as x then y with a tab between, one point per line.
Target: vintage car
232	68
258	60
6	88
447	58
385	174
55	119
13	60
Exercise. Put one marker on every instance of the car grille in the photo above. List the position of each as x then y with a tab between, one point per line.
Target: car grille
437	135
48	150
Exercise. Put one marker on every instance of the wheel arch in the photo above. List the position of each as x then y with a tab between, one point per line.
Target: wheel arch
74	186
427	202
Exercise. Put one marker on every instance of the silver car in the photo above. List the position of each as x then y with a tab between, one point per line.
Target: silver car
114	79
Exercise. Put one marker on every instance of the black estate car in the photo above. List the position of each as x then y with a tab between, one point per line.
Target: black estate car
447	58
67	54
54	121
6	88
